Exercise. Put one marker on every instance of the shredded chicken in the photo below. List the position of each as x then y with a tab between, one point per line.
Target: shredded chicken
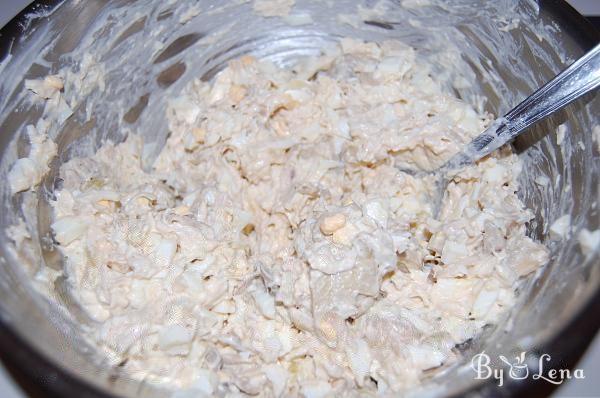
276	249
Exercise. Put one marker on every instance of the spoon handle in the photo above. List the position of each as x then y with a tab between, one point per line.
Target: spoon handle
578	79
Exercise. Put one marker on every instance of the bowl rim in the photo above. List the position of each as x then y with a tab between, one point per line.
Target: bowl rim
25	362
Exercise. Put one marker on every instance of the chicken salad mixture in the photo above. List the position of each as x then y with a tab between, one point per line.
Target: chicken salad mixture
275	248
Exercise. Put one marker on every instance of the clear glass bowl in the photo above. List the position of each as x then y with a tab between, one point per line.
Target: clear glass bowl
504	49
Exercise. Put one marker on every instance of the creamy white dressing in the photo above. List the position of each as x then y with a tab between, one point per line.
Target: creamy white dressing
273	8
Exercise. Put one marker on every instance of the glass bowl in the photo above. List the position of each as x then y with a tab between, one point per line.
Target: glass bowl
133	55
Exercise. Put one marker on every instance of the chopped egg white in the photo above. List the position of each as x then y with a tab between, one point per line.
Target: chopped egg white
27	172
561	227
560	134
589	241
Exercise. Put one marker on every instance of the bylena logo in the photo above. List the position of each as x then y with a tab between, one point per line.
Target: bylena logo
518	369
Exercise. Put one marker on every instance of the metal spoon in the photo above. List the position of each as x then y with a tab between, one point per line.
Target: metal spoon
580	78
